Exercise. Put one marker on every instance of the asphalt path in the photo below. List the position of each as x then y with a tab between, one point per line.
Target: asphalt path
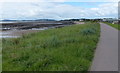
106	54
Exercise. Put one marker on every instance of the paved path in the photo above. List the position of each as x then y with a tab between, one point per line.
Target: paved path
106	55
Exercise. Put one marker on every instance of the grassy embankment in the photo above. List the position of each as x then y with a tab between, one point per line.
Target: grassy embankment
117	26
62	49
0	55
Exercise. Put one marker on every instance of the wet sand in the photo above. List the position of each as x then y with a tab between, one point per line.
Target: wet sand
14	30
16	33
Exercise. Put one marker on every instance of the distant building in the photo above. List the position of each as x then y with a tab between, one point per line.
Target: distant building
81	20
115	22
111	20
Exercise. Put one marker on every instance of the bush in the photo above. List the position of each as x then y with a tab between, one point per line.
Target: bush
51	42
88	31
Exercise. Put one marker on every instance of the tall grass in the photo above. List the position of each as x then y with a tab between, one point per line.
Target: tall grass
116	26
62	49
0	55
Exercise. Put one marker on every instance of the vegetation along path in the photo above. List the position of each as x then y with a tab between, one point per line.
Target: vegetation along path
62	49
106	56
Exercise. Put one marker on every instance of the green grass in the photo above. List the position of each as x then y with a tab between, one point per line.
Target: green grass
1	55
62	49
117	26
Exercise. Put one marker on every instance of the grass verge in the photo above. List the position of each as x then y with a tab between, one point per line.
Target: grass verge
62	49
117	26
0	55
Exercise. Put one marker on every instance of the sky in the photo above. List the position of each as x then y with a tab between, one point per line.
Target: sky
57	9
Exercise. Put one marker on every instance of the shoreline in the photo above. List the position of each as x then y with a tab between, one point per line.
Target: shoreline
16	30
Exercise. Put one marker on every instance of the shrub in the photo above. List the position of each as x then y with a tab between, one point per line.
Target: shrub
88	31
51	42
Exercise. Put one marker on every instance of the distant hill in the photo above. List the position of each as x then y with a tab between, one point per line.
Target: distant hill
29	20
45	20
8	20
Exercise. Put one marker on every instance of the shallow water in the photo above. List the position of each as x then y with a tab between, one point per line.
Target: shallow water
15	33
18	33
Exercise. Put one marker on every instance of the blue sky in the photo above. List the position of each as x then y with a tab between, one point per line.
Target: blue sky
58	10
85	4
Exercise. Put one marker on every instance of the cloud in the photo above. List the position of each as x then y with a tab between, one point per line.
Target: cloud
59	1
107	9
56	10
